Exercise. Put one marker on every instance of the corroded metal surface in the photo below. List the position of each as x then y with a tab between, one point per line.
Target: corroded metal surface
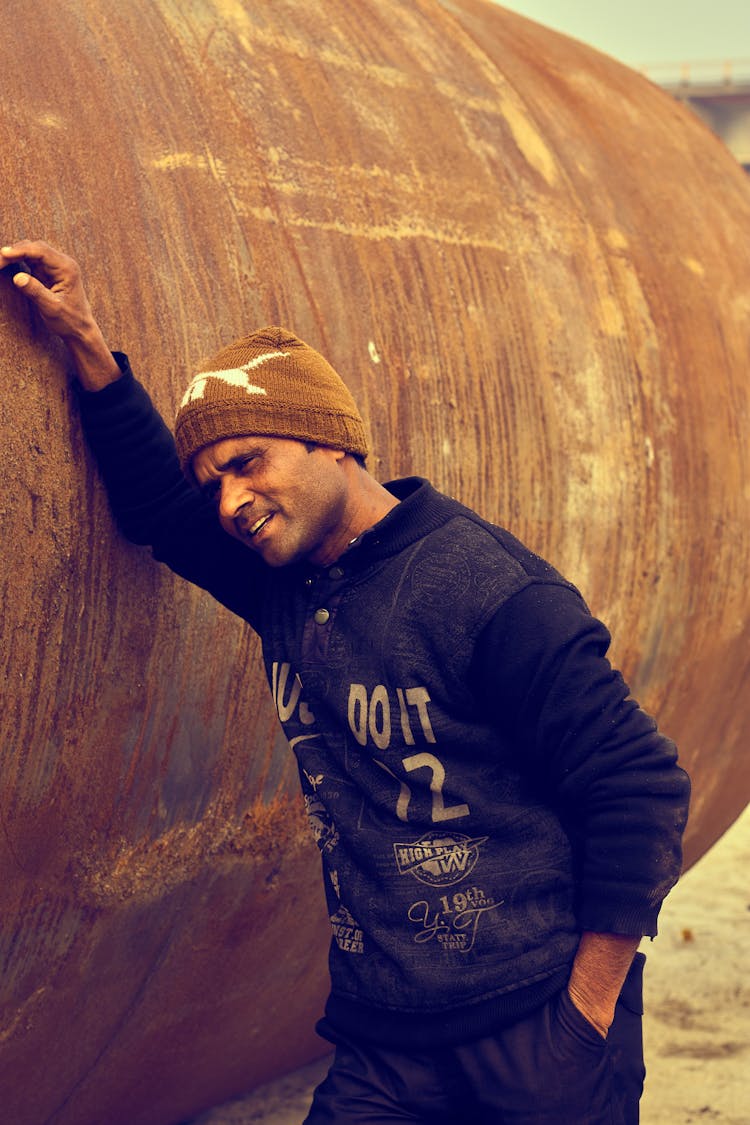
532	267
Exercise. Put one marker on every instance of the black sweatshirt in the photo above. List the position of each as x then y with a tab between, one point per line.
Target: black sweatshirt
480	784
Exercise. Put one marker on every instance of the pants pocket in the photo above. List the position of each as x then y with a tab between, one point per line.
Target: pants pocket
573	1021
625	1042
632	990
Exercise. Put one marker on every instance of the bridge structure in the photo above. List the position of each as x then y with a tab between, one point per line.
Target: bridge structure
718	91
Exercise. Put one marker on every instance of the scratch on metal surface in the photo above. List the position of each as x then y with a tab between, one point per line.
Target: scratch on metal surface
694	266
22	1013
151	868
615	239
402	227
501	102
202	162
528	139
50	120
610	316
232	12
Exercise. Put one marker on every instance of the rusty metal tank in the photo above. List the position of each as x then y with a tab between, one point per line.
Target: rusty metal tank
531	265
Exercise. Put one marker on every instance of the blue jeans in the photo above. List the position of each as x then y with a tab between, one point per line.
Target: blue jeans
550	1068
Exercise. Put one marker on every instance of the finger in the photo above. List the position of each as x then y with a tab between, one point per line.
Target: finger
37	250
55	270
46	301
8	257
48	263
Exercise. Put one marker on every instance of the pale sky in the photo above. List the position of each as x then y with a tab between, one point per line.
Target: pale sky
647	31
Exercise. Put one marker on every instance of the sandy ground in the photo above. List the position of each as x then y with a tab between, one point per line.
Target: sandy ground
697	1023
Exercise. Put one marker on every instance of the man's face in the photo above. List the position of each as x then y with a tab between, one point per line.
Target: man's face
278	496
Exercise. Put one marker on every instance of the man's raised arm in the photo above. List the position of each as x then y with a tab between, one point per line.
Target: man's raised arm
152	501
53	285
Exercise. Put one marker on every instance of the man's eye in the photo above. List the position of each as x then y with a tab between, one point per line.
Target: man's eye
246	463
211	491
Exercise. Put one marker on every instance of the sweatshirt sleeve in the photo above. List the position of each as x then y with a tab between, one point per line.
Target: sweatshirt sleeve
152	501
597	757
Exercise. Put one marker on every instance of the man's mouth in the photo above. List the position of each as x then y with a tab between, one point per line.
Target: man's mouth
255	528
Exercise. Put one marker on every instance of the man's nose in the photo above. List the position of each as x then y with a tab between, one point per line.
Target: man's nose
234	495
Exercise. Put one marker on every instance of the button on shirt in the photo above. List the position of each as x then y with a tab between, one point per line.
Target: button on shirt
324	590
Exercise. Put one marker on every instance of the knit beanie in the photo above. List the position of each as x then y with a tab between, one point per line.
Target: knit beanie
273	383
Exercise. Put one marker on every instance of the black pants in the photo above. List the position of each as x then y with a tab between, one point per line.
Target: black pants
551	1068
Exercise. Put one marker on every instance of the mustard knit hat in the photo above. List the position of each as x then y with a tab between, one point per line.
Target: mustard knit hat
269	382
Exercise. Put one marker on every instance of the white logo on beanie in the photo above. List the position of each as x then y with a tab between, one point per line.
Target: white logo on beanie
234	376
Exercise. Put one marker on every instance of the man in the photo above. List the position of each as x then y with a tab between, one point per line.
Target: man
498	821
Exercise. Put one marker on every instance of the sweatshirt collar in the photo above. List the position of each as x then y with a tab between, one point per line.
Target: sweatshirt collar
422	509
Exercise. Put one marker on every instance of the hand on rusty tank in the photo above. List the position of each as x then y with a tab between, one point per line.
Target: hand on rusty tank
52	282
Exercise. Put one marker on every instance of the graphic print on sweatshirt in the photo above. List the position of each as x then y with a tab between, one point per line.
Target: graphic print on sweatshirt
293	711
321	822
395	725
379	720
454	922
349	936
383	720
445	860
286	689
